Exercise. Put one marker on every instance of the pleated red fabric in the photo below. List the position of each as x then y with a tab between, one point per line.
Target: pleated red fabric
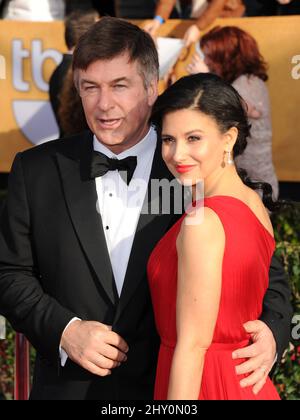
245	276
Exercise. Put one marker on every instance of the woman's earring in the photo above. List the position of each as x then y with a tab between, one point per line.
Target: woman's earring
228	159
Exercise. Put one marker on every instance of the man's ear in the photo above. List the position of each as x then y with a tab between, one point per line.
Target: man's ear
152	91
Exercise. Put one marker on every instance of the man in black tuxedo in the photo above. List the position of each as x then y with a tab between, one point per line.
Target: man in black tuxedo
75	242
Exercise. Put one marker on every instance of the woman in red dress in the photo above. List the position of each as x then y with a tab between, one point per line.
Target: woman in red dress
209	273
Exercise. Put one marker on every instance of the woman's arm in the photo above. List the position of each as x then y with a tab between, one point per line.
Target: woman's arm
164	8
200	249
212	12
162	13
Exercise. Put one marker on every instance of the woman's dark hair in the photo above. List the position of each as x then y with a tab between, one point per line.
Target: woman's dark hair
216	98
231	52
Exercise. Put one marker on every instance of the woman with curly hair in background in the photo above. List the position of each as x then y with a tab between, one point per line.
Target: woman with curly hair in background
233	54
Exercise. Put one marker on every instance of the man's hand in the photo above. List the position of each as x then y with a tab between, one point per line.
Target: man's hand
261	355
94	346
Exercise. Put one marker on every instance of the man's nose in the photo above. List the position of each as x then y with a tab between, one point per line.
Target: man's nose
105	101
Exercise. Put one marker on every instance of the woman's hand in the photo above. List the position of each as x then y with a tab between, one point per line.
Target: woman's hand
191	35
197	65
152	27
253	112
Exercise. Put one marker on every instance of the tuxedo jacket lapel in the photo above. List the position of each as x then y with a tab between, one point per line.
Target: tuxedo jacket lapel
81	198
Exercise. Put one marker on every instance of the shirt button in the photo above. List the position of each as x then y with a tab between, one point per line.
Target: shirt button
106	227
110	194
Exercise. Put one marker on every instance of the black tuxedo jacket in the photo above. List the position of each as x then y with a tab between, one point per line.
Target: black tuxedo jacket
54	265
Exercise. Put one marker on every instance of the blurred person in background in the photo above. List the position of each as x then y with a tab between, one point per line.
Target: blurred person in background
233	54
205	12
279	7
103	7
78	5
34	10
48	10
253	7
76	24
70	111
289	7
134	9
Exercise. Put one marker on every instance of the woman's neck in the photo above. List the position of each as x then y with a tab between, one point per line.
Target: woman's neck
223	182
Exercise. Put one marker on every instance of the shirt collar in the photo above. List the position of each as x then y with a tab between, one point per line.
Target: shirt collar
138	149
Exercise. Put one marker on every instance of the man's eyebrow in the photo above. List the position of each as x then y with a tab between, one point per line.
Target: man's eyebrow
120	79
84	81
93	82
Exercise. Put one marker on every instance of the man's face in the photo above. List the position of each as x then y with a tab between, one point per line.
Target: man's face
116	103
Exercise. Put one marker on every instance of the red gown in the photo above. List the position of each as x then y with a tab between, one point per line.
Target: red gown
245	277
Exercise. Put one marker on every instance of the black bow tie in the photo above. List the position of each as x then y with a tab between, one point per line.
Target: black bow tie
101	164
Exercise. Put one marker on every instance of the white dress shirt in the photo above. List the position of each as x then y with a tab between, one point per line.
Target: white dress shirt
120	206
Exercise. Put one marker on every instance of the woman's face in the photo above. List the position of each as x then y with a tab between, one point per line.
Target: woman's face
193	147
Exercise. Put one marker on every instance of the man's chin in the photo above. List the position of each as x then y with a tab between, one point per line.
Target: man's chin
109	141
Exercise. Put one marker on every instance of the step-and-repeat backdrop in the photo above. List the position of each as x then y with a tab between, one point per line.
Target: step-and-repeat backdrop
29	52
